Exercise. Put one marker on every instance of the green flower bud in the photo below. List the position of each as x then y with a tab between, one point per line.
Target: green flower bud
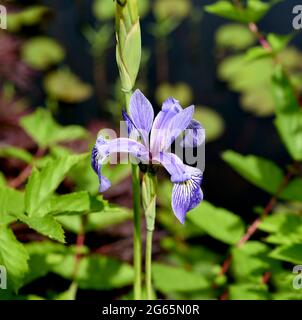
128	37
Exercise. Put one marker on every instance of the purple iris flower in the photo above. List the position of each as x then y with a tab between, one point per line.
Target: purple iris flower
149	142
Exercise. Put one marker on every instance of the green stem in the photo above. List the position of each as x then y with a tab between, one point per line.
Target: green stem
137	238
149	202
148	266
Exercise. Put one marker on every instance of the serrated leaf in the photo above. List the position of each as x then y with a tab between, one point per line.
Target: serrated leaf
13	256
42	184
45	131
46	225
11	202
168	279
219	223
261	172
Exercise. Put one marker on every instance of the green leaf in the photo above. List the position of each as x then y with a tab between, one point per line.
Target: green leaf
16	153
43	256
63	85
261	172
249	292
288	114
42	184
219	223
96	272
293	191
45	131
13	256
278	42
42	52
11	202
234	36
70	203
180	91
168	279
252	12
46	225
289	253
250	261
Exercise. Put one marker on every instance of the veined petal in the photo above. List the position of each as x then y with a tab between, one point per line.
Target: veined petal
167	133
170	108
173	164
142	114
187	195
133	132
103	148
194	135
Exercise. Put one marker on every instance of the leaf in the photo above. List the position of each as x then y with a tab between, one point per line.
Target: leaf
252	12
260	172
45	131
16	153
11	202
96	272
180	91
250	261
234	36
70	203
288	114
293	191
65	86
29	16
289	253
168	279
41	184
13	256
42	52
219	223
43	256
279	42
46	225
175	9
249	292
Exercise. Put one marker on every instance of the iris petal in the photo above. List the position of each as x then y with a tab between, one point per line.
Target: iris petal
187	195
103	148
194	135
170	108
142	114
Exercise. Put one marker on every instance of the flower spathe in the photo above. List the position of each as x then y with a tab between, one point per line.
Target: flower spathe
149	141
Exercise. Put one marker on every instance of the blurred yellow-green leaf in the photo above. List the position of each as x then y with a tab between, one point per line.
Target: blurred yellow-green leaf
42	52
65	86
180	91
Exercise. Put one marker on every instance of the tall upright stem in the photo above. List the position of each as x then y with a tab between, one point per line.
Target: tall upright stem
128	57
149	203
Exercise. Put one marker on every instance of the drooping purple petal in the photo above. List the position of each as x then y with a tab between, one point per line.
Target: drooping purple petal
142	114
104	148
174	165
194	135
187	195
169	109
